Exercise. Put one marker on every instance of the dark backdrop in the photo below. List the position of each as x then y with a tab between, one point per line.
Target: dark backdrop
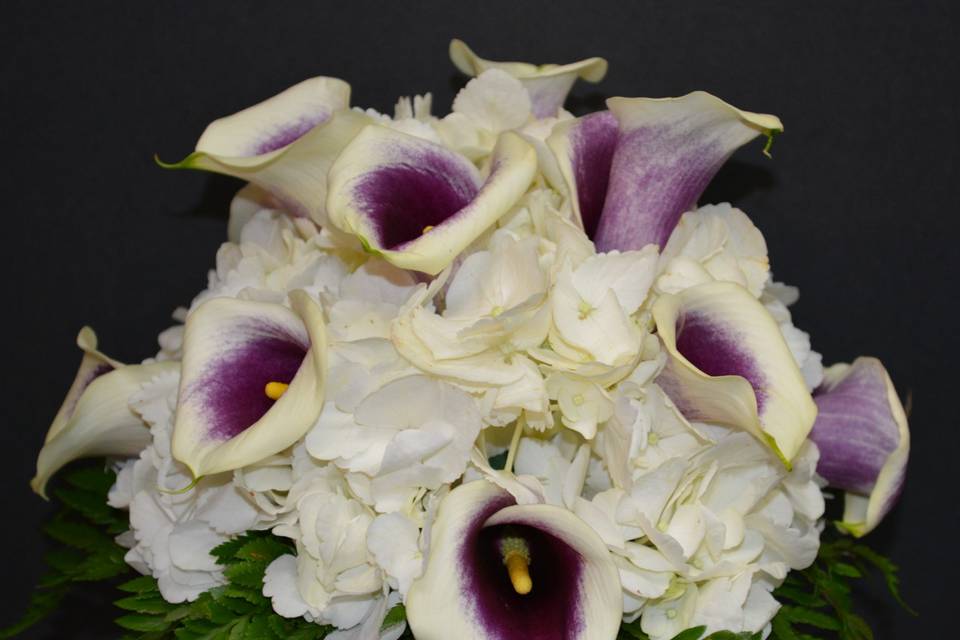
857	205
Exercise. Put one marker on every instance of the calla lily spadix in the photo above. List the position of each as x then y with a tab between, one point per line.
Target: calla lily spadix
728	363
632	171
285	144
502	571
252	381
418	204
547	84
864	440
95	418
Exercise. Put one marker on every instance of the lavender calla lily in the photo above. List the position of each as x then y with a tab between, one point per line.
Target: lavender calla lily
632	171
285	144
252	382
95	418
419	204
728	362
502	571
547	84
864	440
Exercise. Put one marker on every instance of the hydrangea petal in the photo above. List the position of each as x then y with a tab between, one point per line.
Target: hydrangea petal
465	591
667	151
284	145
547	84
728	363
232	349
96	419
864	440
419	204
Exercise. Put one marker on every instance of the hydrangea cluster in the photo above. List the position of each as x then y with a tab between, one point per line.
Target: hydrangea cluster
496	365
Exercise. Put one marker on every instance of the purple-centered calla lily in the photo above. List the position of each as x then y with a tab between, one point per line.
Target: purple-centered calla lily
95	418
728	363
419	204
285	144
547	84
252	381
497	570
632	171
864	441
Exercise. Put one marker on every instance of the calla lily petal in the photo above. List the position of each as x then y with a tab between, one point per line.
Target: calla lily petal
864	440
467	592
235	354
584	150
95	419
285	144
667	153
633	171
548	84
93	365
728	362
419	204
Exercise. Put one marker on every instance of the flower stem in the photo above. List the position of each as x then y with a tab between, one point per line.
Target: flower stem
514	442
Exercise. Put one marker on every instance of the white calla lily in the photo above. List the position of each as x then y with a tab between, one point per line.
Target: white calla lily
728	363
547	84
95	418
285	144
419	204
252	384
501	570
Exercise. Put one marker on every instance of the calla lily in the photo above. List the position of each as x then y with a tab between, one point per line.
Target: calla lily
548	84
252	382
96	419
419	204
284	145
499	570
864	440
631	172
728	363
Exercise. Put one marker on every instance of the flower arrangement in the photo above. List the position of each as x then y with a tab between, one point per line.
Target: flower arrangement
493	375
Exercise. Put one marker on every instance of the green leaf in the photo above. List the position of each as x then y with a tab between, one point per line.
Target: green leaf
142	584
42	603
395	616
691	634
265	550
147	603
847	570
811	617
142	623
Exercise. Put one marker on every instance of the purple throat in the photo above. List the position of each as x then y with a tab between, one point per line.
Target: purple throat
553	608
717	351
233	387
404	199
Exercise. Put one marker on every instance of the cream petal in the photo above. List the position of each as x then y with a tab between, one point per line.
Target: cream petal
419	204
548	84
294	171
465	592
728	363
864	440
232	349
99	422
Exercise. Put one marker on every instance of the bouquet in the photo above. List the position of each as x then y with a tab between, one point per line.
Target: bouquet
490	375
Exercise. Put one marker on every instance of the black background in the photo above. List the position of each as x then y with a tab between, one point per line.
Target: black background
858	204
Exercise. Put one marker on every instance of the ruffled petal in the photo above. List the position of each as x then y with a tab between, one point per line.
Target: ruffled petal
232	350
547	84
419	204
864	440
285	144
465	591
667	152
728	363
96	419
